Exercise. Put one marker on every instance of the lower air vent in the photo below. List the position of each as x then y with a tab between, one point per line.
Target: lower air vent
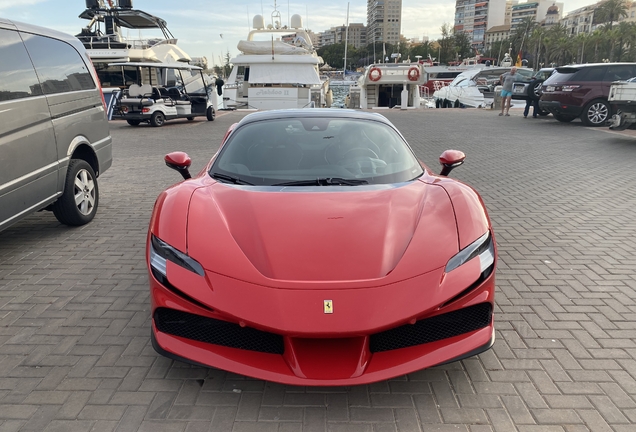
433	329
209	330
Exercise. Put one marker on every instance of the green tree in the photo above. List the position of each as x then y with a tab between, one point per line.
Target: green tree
609	12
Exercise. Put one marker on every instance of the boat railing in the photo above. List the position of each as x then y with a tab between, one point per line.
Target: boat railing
101	42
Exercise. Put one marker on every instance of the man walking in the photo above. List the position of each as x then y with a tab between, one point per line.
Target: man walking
507	80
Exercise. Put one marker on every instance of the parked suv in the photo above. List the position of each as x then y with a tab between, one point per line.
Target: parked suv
582	91
54	136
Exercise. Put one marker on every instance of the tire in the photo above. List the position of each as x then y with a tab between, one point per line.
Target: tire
134	122
563	119
596	113
157	119
210	114
190	118
534	89
80	185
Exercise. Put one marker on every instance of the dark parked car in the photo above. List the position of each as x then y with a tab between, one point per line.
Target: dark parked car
582	91
531	89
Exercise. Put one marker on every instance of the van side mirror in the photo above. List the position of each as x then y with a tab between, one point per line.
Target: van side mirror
180	162
451	159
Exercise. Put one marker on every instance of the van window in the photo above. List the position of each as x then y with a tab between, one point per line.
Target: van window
17	77
59	66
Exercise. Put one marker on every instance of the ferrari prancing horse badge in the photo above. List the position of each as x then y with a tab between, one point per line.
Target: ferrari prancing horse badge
328	306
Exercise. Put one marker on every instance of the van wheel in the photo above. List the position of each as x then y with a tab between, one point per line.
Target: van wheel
190	118
134	122
210	114
157	119
78	203
596	113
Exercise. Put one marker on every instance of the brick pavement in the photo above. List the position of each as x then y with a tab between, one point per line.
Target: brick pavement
74	312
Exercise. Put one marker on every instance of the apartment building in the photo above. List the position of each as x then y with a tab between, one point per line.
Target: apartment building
357	36
580	20
384	20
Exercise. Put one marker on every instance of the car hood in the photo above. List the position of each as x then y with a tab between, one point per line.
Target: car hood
329	233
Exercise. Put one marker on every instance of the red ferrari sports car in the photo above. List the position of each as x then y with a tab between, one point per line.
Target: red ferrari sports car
315	249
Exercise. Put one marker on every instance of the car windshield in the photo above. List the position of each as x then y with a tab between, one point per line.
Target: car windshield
315	151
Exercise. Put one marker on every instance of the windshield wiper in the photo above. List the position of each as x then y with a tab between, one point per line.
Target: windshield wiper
230	179
325	181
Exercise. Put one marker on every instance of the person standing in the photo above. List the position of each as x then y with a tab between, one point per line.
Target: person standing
535	107
507	80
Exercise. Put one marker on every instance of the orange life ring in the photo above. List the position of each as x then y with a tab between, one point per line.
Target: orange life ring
414	74
375	74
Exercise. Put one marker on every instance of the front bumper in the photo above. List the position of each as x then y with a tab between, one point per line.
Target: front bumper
359	348
558	108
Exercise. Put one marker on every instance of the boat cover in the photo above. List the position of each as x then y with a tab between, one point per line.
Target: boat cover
277	73
265	47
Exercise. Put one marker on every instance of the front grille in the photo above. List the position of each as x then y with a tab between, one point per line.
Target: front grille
433	329
213	331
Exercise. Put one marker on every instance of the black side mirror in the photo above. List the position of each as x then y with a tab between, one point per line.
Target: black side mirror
450	160
180	162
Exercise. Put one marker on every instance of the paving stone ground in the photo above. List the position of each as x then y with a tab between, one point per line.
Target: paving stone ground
75	353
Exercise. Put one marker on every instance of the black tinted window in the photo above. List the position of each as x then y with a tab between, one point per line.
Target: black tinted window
593	73
59	66
619	72
17	77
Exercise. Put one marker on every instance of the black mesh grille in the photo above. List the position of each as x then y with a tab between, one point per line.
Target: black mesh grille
203	329
433	329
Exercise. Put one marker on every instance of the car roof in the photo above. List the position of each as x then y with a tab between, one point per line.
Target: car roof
29	28
314	112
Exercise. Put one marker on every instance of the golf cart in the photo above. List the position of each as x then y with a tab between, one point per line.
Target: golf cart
167	91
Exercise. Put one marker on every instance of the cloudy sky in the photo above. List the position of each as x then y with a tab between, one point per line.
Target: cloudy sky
212	28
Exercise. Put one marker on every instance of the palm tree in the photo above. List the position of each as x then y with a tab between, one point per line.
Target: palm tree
610	11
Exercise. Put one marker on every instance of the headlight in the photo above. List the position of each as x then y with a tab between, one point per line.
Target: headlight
161	252
483	248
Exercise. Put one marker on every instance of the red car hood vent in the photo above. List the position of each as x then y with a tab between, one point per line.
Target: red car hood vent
332	234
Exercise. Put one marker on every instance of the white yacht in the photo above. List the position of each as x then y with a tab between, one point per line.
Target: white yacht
389	85
277	68
105	42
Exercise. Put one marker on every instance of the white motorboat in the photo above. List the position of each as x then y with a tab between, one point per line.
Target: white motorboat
471	88
389	85
277	68
105	42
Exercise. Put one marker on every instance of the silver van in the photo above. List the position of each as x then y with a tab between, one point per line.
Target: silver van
54	136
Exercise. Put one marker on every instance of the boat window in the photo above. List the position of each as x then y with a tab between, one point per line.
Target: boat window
290	150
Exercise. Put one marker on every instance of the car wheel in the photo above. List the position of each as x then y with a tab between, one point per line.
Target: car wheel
134	122
78	203
563	119
210	114
190	118
534	89
596	113
157	119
